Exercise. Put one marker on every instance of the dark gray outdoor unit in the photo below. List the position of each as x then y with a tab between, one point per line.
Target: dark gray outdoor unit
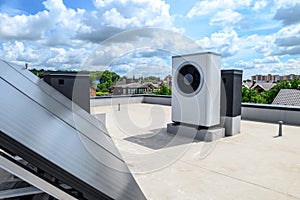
61	140
75	86
231	97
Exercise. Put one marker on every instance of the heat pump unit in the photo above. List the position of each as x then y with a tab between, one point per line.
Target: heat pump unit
196	89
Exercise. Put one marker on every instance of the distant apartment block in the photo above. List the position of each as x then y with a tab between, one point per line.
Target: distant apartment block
273	78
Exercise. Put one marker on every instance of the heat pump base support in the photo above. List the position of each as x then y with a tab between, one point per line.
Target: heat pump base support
232	125
205	134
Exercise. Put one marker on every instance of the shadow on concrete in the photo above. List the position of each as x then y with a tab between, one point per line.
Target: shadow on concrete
159	139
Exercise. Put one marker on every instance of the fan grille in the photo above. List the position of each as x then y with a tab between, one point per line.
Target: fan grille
189	79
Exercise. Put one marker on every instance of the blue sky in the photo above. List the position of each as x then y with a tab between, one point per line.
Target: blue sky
138	37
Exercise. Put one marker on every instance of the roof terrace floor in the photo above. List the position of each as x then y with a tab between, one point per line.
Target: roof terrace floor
252	165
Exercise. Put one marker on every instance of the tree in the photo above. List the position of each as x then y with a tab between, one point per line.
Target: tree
163	90
245	94
39	73
252	96
295	84
106	80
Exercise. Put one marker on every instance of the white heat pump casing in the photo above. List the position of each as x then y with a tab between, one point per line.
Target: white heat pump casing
202	106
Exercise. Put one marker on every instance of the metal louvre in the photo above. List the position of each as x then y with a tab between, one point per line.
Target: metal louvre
39	125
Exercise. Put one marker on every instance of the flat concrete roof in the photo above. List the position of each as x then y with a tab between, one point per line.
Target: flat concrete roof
252	165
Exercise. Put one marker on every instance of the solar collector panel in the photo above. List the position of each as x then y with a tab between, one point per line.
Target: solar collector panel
56	95
60	110
50	91
41	130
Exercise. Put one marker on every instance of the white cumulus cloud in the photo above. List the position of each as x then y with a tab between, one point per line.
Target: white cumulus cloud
285	3
101	3
268	59
135	13
260	5
24	27
208	7
224	42
65	38
226	18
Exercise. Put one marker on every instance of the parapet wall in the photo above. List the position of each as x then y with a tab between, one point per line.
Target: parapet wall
116	99
126	99
254	112
271	113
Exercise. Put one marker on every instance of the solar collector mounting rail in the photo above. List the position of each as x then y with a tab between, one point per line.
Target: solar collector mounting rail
45	128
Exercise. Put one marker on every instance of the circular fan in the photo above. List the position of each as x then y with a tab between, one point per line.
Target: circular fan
189	79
